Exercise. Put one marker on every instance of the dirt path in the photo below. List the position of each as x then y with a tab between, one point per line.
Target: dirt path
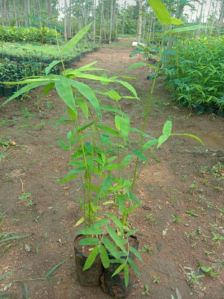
181	222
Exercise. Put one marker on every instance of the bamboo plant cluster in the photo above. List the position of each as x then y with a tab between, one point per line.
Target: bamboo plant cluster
104	155
101	153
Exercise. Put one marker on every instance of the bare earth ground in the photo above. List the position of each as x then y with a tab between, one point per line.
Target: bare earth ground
181	222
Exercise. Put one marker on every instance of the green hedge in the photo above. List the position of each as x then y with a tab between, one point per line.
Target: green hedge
14	71
42	35
42	53
18	61
195	72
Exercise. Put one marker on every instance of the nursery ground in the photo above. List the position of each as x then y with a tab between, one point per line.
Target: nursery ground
180	223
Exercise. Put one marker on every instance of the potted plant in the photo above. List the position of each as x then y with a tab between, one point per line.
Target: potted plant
100	151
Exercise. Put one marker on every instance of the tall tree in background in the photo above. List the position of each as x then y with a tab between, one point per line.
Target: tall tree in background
140	20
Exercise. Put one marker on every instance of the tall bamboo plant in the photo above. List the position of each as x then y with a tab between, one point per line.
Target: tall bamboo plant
102	154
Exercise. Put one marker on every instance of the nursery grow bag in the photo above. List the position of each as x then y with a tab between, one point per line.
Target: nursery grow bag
90	277
115	285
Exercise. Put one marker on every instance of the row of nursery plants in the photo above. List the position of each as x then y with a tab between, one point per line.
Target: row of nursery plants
16	71
18	61
43	35
43	53
195	73
107	154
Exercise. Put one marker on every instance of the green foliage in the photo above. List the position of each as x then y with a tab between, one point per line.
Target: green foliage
42	53
163	14
42	35
99	154
195	73
14	71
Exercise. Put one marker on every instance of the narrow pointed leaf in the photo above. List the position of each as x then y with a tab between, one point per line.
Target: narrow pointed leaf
24	90
111	247
51	66
188	135
126	275
89	242
150	144
91	259
104	257
86	92
117	240
64	90
136	253
133	266
122	124
74	41
136	65
129	87
162	13
119	269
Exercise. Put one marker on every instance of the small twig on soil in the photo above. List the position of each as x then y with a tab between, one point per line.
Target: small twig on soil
22	185
28	279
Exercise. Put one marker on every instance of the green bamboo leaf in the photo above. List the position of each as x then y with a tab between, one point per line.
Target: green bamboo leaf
149	144
113	95
89	242
116	221
140	155
91	259
84	127
136	65
167	131
133	266
163	14
71	175
111	247
88	67
95	229
111	109
74	41
122	124
136	253
84	107
108	130
129	87
126	275
167	128
86	92
104	257
119	241
75	73
119	269
188	28
106	184
64	90
51	66
188	135
52	270
24	90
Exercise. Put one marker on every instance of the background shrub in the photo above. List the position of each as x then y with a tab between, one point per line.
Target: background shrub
42	35
195	72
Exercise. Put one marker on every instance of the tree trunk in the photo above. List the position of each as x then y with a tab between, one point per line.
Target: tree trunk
140	19
111	20
221	14
65	20
101	20
94	20
15	13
